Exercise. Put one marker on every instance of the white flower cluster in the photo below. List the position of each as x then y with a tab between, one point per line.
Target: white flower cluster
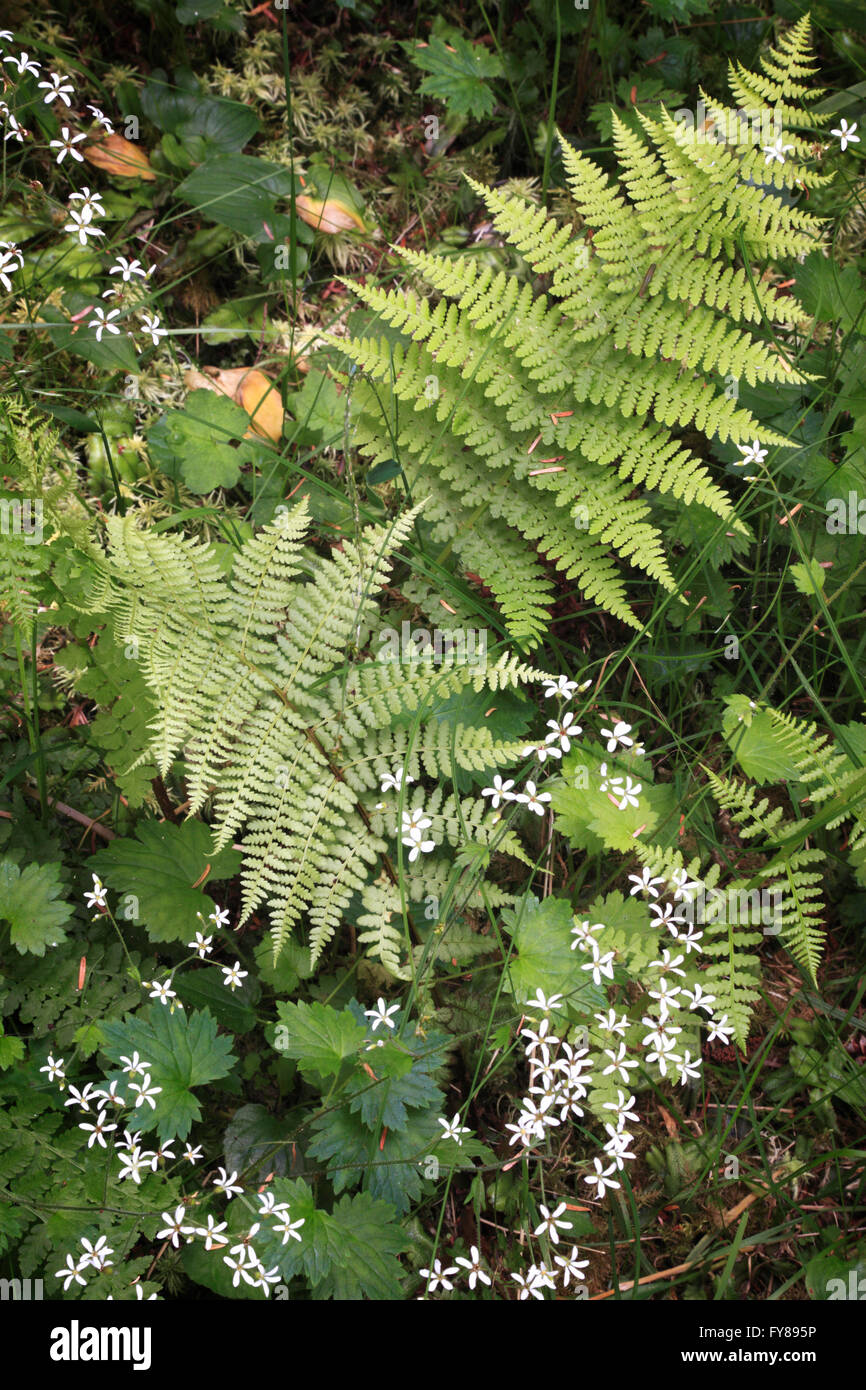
82	219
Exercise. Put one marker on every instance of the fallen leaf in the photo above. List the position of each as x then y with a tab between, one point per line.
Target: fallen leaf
117	155
248	388
328	216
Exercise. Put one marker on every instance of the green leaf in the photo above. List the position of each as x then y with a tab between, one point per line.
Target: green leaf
349	1253
28	903
459	74
757	745
808	578
11	1050
183	1051
256	1136
158	868
240	192
318	1037
194	441
356	1155
403	1082
833	1278
206	123
317	409
541	936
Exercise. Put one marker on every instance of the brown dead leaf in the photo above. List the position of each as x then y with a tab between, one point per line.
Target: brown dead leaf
117	155
248	388
670	1123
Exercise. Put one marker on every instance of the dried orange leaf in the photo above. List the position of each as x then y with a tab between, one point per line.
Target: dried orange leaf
328	216
116	155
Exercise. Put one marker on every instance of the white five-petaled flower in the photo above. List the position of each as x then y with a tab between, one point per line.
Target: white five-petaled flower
80	223
500	791
720	1028
97	897
201	945
72	1271
103	322
210	1232
752	453
561	686
238	1266
161	991
66	145
619	734
24	63
846	134
233	976
150	324
572	1267
452	1129
545	1002
551	1224
583	936
644	882
54	1069
132	1166
618	1062
220	916
56	86
227	1184
97	1131
600	966
96	1255
289	1229
532	799
698	1000
609	1023
16	131
473	1265
437	1275
91	203
126	269
623	1108
776	151
109	1096
630	794
395	781
688	1069
415	842
382	1014
670	963
174	1227
81	1098
601	1178
133	1065
564	731
145	1092
192	1155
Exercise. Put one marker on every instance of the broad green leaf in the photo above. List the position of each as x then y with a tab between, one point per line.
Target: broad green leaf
240	192
193	443
459	74
155	873
756	744
543	958
318	1037
28	902
387	1165
183	1050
